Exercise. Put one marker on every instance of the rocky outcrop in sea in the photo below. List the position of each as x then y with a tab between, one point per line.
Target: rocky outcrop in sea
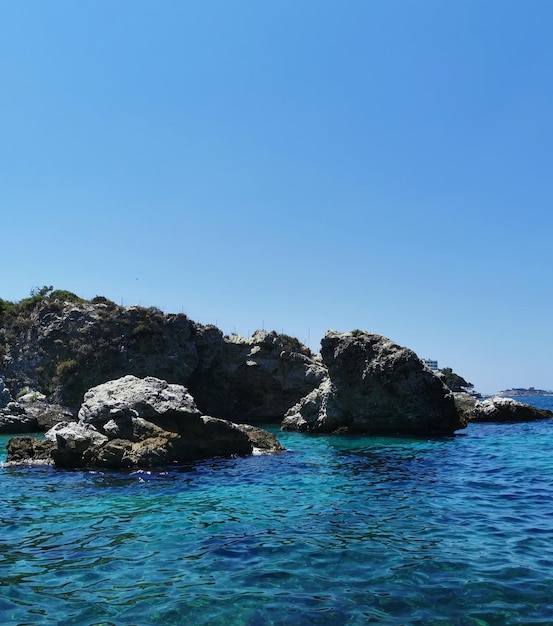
374	386
54	347
139	423
506	410
60	349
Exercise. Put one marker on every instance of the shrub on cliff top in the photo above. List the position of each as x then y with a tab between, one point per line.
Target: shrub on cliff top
65	296
454	381
37	296
6	307
103	300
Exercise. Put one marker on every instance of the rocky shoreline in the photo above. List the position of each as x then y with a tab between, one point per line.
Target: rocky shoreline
139	423
167	390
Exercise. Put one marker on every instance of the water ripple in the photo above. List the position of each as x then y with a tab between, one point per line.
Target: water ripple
338	530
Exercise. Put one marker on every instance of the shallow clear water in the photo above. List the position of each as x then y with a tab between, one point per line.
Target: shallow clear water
337	530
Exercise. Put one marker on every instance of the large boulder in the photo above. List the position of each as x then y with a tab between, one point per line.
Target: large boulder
29	451
46	414
132	422
13	423
252	380
13	417
374	386
155	400
507	410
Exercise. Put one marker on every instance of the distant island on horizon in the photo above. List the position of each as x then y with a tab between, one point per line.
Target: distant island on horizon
523	391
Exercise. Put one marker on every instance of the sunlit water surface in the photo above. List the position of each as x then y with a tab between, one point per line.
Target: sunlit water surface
337	530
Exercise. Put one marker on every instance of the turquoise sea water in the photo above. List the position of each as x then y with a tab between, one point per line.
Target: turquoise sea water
337	530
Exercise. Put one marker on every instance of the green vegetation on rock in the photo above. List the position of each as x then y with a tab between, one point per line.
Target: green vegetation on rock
45	294
454	381
59	344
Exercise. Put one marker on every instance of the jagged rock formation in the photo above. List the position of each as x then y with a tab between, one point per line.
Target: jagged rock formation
361	382
374	386
13	418
136	423
63	348
47	414
506	410
465	404
252	380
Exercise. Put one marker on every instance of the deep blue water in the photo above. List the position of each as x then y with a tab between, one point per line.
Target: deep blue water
337	530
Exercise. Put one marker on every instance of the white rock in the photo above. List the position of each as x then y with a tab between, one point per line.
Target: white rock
149	398
75	431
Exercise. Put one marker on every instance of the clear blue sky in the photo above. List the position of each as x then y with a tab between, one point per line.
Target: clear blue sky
297	165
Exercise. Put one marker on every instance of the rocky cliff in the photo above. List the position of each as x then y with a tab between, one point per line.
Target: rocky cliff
63	347
54	349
